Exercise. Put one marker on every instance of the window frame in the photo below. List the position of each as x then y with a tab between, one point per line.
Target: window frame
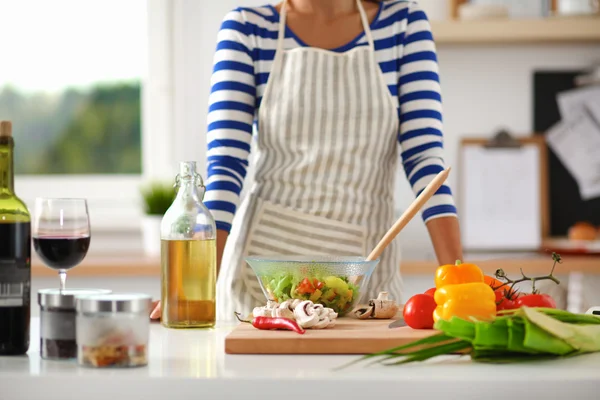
114	200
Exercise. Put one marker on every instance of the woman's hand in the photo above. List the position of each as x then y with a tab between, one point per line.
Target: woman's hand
155	310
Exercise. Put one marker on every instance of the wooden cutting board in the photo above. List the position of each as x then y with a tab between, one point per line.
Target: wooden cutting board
349	336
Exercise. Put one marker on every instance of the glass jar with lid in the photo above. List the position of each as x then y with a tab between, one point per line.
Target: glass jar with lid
113	330
57	321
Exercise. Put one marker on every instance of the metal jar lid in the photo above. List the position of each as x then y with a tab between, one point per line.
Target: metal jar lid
114	303
64	299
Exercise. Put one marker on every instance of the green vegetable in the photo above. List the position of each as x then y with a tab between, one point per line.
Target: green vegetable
517	335
335	292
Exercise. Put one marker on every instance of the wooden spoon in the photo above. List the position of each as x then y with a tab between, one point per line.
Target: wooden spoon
410	212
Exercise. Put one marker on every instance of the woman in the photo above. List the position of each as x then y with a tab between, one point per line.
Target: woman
339	91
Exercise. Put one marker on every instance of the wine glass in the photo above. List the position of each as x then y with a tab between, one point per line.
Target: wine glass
61	233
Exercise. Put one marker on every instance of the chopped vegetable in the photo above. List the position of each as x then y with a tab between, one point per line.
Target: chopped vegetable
518	335
457	273
272	323
466	300
330	291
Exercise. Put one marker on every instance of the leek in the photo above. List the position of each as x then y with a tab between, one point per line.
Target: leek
515	335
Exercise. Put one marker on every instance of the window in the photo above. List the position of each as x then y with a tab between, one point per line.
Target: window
71	79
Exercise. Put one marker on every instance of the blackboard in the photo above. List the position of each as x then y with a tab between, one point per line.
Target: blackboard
566	206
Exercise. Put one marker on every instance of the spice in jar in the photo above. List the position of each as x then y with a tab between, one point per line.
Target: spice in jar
113	330
57	321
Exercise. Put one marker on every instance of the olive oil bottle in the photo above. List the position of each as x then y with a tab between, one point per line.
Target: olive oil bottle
188	256
15	254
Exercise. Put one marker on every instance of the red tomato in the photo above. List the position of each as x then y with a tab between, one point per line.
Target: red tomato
305	287
317	284
535	300
430	292
502	303
418	311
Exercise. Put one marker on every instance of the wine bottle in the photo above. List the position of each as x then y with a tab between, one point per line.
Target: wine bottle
188	256
15	255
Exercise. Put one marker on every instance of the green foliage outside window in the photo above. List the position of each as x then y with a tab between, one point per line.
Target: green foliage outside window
97	131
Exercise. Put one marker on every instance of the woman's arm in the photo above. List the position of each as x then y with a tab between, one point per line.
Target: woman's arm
231	113
445	236
421	137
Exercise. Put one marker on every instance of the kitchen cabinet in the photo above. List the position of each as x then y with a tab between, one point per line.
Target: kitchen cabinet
191	364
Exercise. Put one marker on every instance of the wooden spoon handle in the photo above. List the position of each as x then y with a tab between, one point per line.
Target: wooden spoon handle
410	212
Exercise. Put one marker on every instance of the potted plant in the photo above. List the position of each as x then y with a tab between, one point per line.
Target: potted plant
157	198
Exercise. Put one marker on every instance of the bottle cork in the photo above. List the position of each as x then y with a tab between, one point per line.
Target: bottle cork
5	129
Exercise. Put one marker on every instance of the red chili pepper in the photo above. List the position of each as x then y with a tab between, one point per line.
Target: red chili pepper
270	323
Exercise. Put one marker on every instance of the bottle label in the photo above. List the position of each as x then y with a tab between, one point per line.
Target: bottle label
13	294
15	265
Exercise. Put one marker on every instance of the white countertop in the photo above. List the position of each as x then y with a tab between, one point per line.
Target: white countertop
191	364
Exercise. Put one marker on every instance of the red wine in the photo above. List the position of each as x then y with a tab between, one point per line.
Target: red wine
15	280
60	252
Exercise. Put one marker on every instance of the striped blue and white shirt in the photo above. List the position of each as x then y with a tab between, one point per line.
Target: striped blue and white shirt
405	51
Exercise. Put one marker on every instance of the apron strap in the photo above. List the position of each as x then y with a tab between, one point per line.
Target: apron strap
365	22
281	34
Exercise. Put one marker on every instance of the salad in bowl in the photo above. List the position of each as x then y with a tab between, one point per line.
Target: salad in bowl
334	282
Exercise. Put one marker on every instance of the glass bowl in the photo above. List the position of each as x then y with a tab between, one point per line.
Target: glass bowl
334	282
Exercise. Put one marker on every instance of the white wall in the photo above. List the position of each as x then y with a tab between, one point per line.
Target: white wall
484	88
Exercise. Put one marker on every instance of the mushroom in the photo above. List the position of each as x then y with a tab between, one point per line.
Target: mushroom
363	311
383	307
305	314
283	311
326	317
266	311
295	303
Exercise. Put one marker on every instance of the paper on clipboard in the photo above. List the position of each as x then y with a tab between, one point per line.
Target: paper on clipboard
571	102
501	198
576	142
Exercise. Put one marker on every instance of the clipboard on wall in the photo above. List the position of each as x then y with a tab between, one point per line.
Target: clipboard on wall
503	193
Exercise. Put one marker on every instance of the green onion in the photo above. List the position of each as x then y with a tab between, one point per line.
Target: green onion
524	334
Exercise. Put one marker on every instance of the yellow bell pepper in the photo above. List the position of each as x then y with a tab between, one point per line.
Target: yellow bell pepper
457	273
465	300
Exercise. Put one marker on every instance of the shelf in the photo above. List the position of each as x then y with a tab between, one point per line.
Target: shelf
517	31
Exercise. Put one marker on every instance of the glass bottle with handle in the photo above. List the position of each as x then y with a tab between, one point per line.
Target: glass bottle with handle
188	256
15	255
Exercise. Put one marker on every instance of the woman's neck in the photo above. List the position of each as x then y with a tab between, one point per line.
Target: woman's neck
325	9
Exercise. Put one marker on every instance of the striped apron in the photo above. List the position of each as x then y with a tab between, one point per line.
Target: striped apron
326	157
